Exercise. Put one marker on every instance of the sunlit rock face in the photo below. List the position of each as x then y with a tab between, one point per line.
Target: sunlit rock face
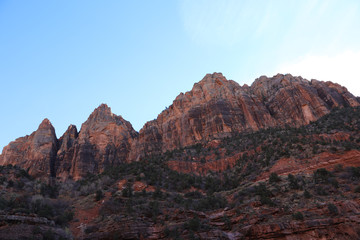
104	140
36	153
214	108
217	107
65	153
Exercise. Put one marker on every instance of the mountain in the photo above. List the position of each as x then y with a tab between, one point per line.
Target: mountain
284	183
104	140
36	152
279	159
215	108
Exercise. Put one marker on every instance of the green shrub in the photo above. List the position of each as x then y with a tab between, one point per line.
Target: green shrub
193	194
307	194
298	216
127	191
333	209
99	195
293	183
322	175
193	224
274	178
49	190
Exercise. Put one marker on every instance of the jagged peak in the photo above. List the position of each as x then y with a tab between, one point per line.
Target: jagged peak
45	124
102	109
216	77
72	129
102	115
279	79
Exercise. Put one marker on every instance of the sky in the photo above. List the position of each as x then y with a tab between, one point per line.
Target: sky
62	59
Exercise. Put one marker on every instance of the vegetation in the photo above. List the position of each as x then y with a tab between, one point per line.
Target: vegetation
170	196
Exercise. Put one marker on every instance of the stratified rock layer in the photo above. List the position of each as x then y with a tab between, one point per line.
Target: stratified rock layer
65	153
217	107
104	140
36	152
214	108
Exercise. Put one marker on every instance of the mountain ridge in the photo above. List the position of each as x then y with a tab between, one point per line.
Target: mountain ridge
214	108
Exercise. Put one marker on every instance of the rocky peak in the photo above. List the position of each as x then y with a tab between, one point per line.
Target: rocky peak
36	152
101	114
102	117
68	138
46	124
45	133
214	108
104	139
265	87
65	153
215	78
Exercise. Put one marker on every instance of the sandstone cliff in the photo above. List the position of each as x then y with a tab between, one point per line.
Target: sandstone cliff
104	140
36	152
217	107
214	108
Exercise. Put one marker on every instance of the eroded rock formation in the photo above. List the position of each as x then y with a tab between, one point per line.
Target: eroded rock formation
214	108
217	107
104	140
36	152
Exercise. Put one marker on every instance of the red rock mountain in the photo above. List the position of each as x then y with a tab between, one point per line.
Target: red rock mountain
217	107
214	108
36	152
104	140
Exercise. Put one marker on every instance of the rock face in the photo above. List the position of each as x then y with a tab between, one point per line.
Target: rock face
65	152
36	152
104	140
217	107
214	108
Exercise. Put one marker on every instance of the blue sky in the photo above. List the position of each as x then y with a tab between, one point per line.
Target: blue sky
61	59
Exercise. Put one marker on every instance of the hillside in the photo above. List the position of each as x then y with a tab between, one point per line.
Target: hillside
312	191
215	108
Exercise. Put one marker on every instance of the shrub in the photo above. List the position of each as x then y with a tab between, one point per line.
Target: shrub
322	175
193	224
194	194
64	218
127	191
49	190
307	194
158	194
298	216
10	184
99	195
210	202
274	178
264	194
49	235
293	183
227	222
333	209
320	190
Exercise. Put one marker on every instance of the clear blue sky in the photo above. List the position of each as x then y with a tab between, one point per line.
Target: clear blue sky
61	59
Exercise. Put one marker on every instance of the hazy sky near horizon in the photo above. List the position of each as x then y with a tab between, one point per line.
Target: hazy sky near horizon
62	59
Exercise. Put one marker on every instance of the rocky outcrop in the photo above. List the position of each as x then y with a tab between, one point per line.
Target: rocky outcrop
36	152
326	160
217	107
104	140
65	154
214	108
